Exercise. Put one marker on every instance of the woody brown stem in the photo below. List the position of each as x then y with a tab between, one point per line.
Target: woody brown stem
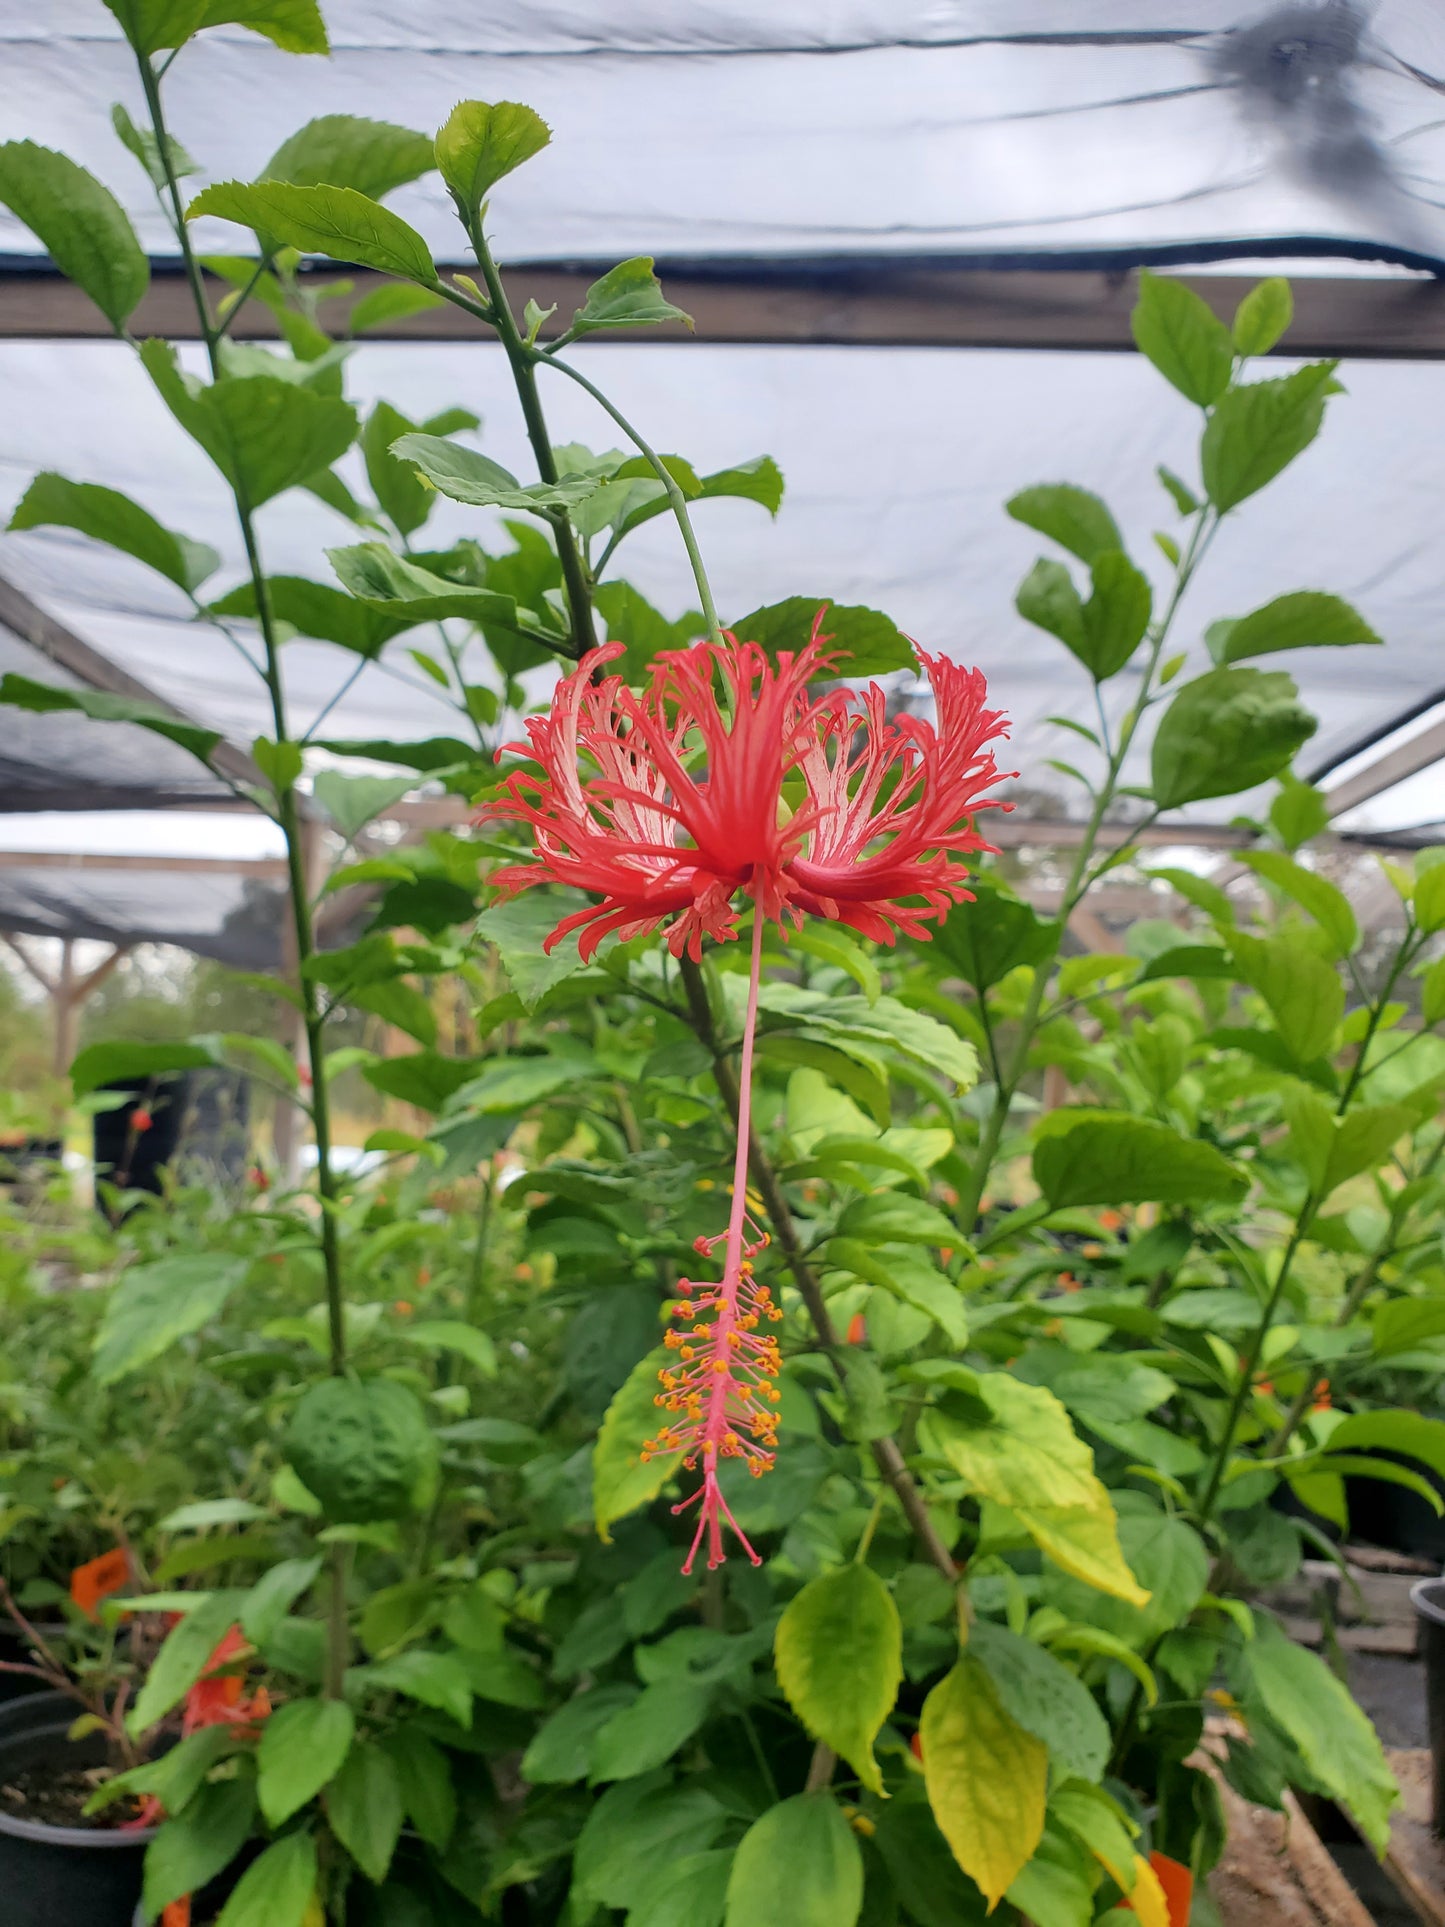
886	1455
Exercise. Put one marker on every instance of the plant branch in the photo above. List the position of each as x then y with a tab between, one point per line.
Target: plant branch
886	1454
522	363
676	500
1080	881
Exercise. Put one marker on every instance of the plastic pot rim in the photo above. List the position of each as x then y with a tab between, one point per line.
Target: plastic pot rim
84	1839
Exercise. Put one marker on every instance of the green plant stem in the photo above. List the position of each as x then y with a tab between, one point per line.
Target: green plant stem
676	500
477	1270
338	1632
1079	881
522	360
338	1637
1350	1305
886	1453
1311	1207
151	84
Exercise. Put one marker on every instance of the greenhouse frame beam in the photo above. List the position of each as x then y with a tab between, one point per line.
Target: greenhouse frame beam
66	650
271	867
1395	766
872	301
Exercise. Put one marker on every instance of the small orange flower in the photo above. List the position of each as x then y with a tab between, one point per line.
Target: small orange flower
258	1181
1177	1883
98	1579
423	1276
524	1272
915	1747
1068	1282
404	1307
1322	1396
1090	1250
1110	1220
857	1329
1265	1385
141	1119
178	1913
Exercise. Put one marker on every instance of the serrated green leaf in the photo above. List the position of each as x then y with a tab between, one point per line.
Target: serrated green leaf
80	224
334	221
480	143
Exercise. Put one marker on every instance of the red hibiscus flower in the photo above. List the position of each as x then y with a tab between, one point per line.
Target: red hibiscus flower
669	804
727	777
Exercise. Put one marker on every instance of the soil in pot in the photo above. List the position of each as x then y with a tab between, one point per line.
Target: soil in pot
55	1867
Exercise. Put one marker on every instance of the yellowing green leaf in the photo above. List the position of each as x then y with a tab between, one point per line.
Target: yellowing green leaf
839	1653
621	1479
986	1778
1029	1458
1086	1544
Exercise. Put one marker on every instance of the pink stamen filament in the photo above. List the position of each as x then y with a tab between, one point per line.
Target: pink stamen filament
723	1390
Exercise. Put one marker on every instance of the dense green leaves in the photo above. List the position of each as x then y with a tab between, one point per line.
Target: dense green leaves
1323	900
481	143
1106	1157
799	1863
840	1660
1305	995
1183	337
79	223
335	221
108	516
1042	1696
628	296
622	1480
264	434
1263	316
1072	517
407	593
986	939
342	150
1338	1744
43	699
194	1847
154	1305
1308	619
1225	732
467	476
1102	632
302	1745
365	1806
862	642
317	609
276	1890
1256	431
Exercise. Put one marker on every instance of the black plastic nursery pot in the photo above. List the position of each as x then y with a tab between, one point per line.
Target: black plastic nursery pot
61	1876
1428	1599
